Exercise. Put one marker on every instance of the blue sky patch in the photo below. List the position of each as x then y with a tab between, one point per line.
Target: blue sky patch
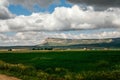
20	10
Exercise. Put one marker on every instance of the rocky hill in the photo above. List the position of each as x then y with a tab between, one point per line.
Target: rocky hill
108	42
67	42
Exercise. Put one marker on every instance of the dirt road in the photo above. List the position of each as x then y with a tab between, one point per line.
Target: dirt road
4	77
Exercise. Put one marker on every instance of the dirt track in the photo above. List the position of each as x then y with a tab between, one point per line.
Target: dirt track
4	77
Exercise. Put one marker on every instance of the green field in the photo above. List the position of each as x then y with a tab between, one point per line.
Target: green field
57	64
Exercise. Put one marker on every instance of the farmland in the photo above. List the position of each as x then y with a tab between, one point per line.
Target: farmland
61	65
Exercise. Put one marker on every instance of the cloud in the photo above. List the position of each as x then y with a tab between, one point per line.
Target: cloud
4	3
32	29
34	38
63	19
105	3
30	3
4	12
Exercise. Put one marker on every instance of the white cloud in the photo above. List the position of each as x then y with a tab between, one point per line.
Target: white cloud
34	28
64	18
4	3
6	14
34	38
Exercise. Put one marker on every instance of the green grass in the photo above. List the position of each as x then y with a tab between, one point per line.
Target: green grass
73	60
63	61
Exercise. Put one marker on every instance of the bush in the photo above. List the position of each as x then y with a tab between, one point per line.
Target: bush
16	68
79	76
116	67
9	49
42	75
102	75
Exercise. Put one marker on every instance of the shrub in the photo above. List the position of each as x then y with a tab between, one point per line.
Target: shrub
79	77
9	49
116	67
42	75
16	68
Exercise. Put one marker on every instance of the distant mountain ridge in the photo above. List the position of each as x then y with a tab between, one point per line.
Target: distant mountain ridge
68	42
71	44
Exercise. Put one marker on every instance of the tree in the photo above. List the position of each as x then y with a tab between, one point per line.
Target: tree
10	49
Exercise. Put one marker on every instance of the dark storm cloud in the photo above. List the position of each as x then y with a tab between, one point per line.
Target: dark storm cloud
105	3
4	12
30	3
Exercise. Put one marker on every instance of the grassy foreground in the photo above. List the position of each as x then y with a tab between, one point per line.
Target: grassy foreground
62	65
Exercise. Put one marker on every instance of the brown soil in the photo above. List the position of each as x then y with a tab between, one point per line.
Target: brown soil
4	77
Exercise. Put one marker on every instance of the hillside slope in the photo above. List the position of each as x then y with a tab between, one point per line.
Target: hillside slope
71	42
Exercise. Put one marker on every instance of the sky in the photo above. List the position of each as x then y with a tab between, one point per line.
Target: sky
29	22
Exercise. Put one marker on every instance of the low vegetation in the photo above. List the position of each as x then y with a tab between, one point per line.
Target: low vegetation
62	65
